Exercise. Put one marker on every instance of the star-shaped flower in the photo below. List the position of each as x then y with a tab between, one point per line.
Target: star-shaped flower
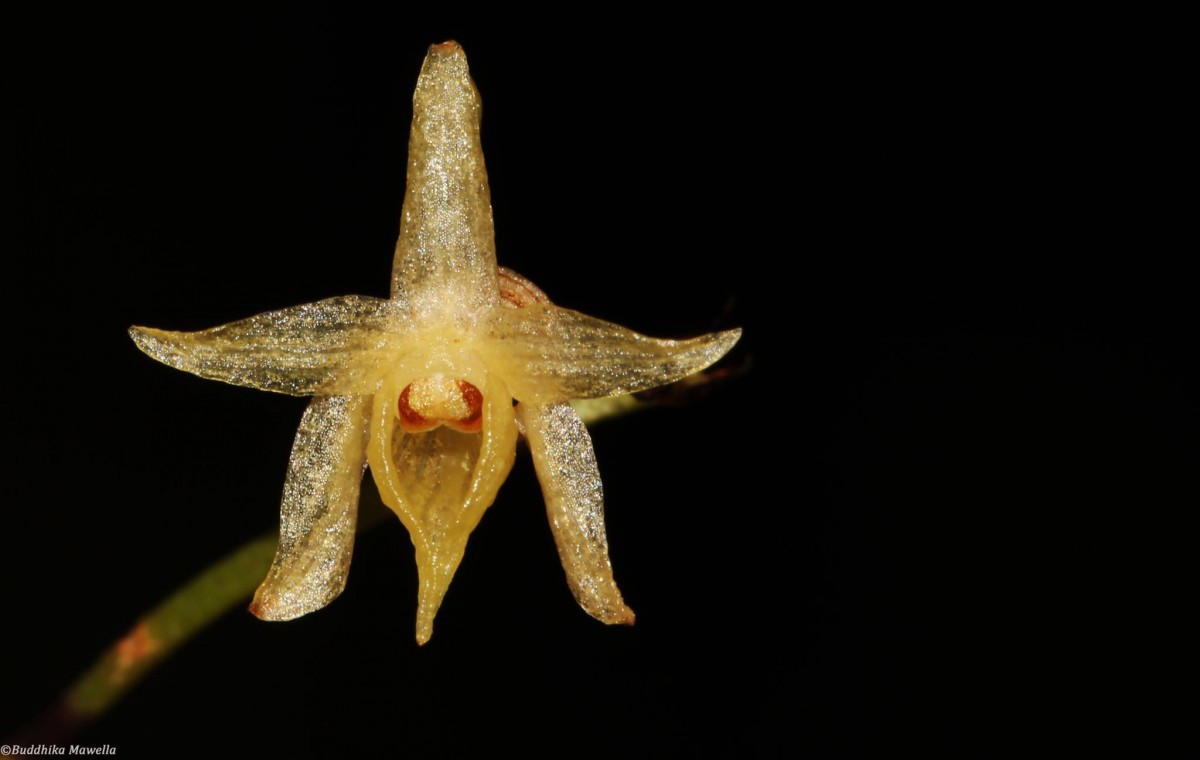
433	386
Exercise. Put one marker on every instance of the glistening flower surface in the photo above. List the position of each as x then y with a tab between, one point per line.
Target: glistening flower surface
422	385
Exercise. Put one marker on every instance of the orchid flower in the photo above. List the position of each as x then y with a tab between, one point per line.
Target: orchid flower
433	386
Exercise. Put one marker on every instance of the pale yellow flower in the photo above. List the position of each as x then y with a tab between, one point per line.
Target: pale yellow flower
433	386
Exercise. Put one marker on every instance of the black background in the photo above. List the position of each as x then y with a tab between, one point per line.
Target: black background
948	508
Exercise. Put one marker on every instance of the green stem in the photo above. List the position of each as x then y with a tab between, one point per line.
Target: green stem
596	409
212	593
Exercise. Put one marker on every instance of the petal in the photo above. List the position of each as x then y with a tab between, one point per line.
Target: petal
550	354
320	505
566	466
446	253
440	482
336	346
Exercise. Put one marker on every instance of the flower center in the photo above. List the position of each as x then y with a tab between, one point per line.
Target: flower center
440	400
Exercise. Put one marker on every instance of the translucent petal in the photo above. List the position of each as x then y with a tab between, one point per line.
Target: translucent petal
440	482
446	254
566	466
550	354
320	506
336	346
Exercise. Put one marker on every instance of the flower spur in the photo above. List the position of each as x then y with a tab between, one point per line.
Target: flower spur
432	387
